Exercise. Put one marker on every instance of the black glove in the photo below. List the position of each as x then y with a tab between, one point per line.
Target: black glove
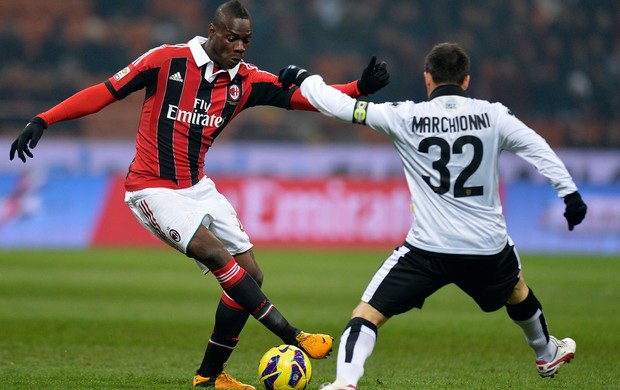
28	138
374	77
575	209
292	75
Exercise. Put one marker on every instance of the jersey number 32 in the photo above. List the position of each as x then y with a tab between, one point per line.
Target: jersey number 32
441	165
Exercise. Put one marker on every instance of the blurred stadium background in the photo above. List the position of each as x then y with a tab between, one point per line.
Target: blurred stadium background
298	178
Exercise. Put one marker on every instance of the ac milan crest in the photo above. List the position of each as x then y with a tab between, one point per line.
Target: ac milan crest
174	235
234	93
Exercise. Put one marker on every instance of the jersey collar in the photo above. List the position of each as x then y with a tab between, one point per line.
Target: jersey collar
447	90
202	58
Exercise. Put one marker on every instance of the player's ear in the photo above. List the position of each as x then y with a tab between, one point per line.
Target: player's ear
428	81
465	84
211	29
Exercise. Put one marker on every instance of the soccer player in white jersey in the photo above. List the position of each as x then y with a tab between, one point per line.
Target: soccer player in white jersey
449	147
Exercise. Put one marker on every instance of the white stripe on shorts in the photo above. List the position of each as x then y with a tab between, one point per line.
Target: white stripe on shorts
382	272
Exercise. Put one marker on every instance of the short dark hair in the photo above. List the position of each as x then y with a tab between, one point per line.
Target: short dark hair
447	63
233	9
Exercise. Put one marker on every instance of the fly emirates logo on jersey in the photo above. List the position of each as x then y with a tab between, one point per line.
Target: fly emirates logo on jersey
198	116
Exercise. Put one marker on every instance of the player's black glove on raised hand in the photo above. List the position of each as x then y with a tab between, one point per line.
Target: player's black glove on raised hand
575	209
374	77
292	75
28	139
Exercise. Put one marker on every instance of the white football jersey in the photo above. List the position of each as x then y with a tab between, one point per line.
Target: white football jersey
450	147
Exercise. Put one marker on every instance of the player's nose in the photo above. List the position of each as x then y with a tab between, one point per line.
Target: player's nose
240	47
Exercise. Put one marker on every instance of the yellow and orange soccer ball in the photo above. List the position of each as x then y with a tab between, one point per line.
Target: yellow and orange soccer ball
284	367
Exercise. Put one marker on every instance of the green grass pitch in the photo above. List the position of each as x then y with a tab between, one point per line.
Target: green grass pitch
140	319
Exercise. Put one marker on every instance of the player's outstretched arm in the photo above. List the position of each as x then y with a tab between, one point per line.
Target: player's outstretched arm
85	102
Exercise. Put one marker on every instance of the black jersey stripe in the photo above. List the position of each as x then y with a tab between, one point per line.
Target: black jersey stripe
194	142
231	105
165	125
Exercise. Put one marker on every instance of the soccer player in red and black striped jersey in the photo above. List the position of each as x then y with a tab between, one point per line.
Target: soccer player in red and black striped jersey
193	90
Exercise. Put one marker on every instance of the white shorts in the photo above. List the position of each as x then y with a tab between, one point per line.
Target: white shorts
175	215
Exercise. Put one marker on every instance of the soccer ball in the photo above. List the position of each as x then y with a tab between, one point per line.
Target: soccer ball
284	367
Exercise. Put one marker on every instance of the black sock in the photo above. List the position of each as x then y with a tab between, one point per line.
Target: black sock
529	309
229	322
528	315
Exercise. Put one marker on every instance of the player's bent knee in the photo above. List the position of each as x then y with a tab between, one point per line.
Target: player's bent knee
258	277
369	313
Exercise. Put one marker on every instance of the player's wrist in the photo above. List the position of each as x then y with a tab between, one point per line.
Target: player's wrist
301	76
292	75
39	121
572	198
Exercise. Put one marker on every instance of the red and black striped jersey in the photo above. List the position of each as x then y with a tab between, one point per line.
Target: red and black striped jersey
187	104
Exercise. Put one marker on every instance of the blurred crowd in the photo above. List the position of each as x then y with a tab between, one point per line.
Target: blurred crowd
555	63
